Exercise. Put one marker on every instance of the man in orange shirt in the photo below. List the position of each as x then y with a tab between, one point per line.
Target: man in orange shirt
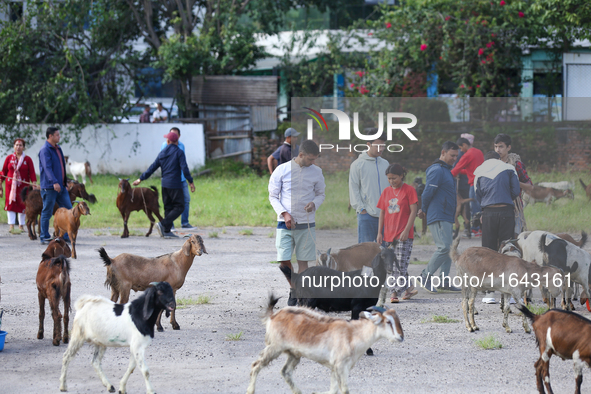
470	160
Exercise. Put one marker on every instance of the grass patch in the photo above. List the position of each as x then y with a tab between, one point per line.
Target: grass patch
439	319
98	233
489	342
16	231
213	234
271	234
537	309
227	199
182	303
273	262
245	232
234	337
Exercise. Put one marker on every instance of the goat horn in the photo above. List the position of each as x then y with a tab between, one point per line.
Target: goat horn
154	283
376	309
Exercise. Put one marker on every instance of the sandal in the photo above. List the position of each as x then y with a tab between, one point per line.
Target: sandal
410	293
394	299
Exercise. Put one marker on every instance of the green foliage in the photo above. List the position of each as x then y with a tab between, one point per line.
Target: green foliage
537	309
489	342
213	234
440	319
65	62
245	232
234	337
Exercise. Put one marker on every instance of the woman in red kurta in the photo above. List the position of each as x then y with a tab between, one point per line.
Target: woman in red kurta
18	167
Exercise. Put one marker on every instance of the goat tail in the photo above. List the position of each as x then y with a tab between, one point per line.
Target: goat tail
542	246
88	171
269	311
156	190
527	313
111	280
583	183
453	253
25	192
583	240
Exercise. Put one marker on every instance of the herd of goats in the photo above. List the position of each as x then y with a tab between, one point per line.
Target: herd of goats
553	263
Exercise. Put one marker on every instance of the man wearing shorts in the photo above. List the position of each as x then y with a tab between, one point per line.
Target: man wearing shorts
296	191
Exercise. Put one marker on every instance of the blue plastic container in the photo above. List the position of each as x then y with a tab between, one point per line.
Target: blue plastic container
2	338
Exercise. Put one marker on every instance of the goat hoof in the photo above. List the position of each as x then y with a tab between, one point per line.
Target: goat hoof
476	328
508	330
111	389
470	329
66	340
124	236
40	335
369	352
160	329
56	342
177	327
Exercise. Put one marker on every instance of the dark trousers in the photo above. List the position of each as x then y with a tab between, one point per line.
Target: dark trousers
497	226
174	205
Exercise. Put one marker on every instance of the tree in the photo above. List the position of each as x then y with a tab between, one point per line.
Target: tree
65	62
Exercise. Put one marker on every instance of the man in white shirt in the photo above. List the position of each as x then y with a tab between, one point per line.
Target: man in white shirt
160	115
296	191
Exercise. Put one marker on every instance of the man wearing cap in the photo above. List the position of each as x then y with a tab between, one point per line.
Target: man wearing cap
283	154
172	161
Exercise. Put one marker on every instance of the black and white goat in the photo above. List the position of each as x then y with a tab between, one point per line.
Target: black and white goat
545	248
105	324
333	342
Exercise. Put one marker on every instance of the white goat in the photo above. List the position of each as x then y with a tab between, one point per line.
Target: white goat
332	342
106	324
562	185
560	253
80	169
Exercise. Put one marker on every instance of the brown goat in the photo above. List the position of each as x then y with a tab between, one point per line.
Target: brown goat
587	189
566	334
78	190
128	272
351	258
53	283
137	199
545	194
33	207
68	221
463	209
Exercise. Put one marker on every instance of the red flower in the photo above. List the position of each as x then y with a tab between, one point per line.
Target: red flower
502	2
483	62
363	90
447	18
352	85
490	44
493	35
440	57
388	25
477	86
370	34
423	47
521	14
462	86
359	74
480	51
388	81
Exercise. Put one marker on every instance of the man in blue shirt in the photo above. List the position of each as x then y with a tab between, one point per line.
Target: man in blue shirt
185	215
284	153
52	169
439	204
172	161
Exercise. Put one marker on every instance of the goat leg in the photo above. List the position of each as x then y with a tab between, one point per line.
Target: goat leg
287	371
506	318
125	377
57	322
268	354
540	375
465	309
125	229
151	218
175	325
66	337
471	306
99	352
41	315
158	325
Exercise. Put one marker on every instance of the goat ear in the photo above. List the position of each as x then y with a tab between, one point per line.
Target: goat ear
149	302
187	247
365	315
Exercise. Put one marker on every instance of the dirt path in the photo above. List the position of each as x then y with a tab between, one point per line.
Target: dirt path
237	275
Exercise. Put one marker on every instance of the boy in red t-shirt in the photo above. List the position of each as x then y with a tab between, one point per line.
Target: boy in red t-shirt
399	206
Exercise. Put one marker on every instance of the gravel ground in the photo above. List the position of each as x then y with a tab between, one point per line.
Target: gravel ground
237	275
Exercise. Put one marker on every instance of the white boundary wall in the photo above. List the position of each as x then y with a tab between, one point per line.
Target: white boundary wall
125	148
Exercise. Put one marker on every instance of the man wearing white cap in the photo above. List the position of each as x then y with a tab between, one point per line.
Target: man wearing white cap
173	162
